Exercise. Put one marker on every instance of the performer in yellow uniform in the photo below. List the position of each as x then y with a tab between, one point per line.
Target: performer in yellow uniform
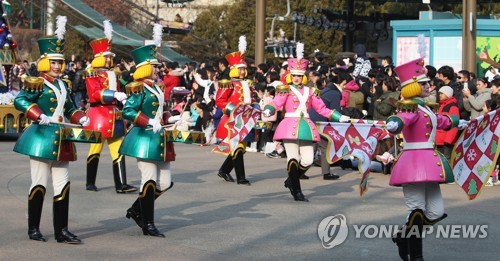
105	98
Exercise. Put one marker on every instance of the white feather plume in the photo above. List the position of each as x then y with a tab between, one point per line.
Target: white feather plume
422	47
61	26
242	44
300	51
108	29
157	34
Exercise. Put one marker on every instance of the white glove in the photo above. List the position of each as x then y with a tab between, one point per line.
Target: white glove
120	96
84	121
462	124
391	126
44	120
156	125
344	118
266	113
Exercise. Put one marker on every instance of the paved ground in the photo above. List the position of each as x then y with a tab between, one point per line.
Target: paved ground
205	218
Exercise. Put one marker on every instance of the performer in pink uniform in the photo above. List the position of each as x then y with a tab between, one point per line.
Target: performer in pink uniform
296	130
420	167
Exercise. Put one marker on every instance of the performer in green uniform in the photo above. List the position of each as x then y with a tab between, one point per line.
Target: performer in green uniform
46	101
147	141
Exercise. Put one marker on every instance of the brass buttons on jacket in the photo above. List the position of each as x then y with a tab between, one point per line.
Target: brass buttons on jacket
428	124
52	110
439	163
53	99
427	134
54	153
441	175
154	112
161	145
426	115
154	104
110	121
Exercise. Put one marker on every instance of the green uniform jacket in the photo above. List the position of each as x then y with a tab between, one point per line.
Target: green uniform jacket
140	142
45	141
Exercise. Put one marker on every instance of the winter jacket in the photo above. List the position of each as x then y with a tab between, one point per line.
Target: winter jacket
475	103
447	137
385	106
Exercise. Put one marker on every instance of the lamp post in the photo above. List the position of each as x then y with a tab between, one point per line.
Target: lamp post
469	35
260	27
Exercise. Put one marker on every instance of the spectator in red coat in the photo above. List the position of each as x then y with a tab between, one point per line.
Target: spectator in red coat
448	105
172	78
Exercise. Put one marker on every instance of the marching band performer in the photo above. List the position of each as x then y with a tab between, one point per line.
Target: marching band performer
147	141
46	101
420	167
104	93
296	130
232	93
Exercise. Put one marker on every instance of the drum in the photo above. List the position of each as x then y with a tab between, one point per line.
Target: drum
80	135
185	136
263	125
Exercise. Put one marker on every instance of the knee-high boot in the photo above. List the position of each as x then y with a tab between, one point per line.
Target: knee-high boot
60	213
134	211
239	167
120	176
302	171
35	205
92	165
416	226
147	203
409	240
226	168
293	181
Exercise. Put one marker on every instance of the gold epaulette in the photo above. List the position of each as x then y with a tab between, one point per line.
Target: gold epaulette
134	87
90	73
250	83
433	105
33	84
316	91
225	84
68	83
407	105
283	89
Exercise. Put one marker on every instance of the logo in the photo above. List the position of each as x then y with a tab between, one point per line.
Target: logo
333	230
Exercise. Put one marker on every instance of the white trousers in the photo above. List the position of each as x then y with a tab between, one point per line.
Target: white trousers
42	169
157	171
302	151
425	196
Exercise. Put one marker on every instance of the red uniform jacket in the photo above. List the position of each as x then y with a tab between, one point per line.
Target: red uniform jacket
104	114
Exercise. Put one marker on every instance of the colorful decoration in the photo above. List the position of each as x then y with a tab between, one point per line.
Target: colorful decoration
473	155
357	139
241	121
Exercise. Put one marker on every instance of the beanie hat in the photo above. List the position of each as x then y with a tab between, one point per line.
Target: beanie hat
446	90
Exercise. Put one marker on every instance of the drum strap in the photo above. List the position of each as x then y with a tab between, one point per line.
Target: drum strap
302	108
61	99
247	98
112	80
161	99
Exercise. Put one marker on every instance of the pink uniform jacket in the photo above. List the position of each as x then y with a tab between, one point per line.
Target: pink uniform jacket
296	124
420	161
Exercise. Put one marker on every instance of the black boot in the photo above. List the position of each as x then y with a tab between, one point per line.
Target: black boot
134	212
239	167
416	226
147	203
402	242
60	213
294	181
92	165
35	204
120	176
302	172
226	168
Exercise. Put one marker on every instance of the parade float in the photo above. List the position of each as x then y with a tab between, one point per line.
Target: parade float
12	121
